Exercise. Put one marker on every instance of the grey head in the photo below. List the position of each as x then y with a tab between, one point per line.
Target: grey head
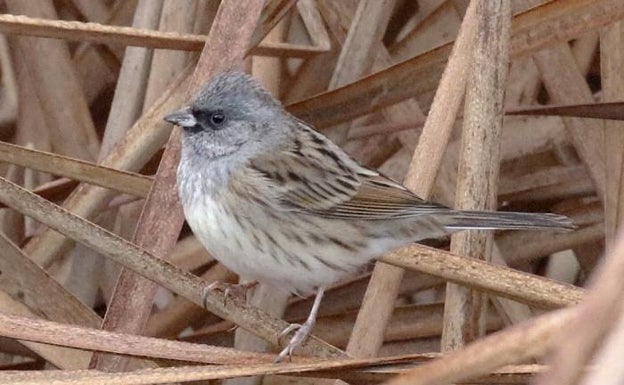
232	118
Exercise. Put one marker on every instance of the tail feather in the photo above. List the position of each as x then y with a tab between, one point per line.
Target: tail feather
501	220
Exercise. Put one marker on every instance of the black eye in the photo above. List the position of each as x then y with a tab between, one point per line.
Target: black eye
217	119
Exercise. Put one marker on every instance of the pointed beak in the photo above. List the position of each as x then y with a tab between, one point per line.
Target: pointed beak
183	118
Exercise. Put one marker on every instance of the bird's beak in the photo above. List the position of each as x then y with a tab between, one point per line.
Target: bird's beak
182	117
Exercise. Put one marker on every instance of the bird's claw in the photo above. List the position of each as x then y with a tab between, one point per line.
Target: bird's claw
238	291
303	331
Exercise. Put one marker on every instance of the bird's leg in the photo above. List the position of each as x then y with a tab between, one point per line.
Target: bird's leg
303	331
238	290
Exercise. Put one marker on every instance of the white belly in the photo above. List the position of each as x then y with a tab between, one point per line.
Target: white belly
261	252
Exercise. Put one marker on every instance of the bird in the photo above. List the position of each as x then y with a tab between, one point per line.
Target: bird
275	201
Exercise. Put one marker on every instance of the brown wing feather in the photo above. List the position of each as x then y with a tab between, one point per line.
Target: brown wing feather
314	175
380	198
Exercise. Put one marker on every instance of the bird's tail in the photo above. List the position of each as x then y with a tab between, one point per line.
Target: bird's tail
502	220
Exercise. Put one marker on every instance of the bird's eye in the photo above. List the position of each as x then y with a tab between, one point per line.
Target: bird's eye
217	119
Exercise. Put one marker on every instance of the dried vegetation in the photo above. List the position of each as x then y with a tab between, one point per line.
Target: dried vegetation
511	104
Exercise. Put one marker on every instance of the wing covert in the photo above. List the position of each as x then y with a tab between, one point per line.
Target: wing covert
314	175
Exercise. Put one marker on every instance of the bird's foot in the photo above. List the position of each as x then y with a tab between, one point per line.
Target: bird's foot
235	290
302	333
303	330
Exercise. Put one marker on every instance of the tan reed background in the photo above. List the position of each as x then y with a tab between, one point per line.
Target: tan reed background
515	104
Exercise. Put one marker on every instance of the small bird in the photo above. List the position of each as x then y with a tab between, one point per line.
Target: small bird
277	202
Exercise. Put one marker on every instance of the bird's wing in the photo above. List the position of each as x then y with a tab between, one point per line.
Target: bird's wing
316	176
379	197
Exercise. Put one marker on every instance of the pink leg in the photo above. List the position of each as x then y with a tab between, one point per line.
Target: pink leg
303	331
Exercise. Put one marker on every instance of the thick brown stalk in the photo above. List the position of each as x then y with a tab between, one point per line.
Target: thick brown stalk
122	343
479	161
127	305
484	276
162	217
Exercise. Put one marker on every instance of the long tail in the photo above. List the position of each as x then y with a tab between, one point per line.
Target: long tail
501	220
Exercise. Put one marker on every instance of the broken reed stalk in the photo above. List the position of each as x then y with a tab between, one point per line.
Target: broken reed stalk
33	281
28	281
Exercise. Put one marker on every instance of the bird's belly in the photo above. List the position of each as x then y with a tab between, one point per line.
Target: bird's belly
221	236
287	253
